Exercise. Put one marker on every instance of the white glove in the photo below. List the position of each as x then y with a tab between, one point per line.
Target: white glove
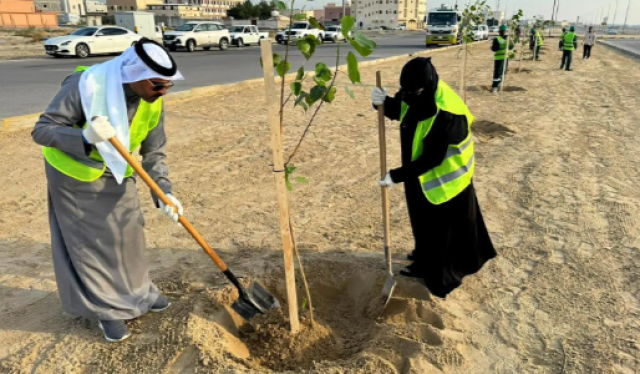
378	95
387	182
169	211
98	130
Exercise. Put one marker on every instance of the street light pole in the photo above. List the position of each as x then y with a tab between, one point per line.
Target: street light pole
625	17
553	17
615	13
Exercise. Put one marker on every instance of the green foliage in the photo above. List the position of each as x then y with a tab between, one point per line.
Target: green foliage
352	68
300	17
304	47
276	60
350	93
248	10
296	88
314	22
322	71
283	67
346	24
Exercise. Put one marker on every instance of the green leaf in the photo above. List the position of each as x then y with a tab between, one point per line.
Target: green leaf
276	59
309	100
317	92
304	47
351	94
300	74
288	184
304	303
323	72
283	67
301	101
362	50
352	68
312	40
300	17
319	81
363	40
314	22
281	5
347	24
330	95
296	87
301	180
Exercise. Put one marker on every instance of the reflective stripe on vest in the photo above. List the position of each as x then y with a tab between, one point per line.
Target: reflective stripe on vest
501	53
568	42
146	119
454	174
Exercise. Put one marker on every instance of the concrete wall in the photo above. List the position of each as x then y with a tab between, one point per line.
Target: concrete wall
21	13
333	13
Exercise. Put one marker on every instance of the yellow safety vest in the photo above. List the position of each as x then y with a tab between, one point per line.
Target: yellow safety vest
540	38
146	119
502	52
568	41
449	179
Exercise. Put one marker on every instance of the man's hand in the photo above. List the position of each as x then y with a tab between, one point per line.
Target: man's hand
98	130
378	96
387	182
169	211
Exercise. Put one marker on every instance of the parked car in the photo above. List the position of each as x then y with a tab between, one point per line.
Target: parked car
334	34
246	34
494	29
195	34
299	30
480	32
612	32
88	41
401	27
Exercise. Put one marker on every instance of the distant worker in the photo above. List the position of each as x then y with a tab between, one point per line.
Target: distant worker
589	42
536	41
564	32
569	44
437	152
499	47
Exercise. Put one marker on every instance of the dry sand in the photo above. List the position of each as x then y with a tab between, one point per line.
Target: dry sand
556	180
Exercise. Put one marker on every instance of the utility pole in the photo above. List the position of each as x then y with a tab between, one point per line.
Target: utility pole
625	17
343	9
553	17
615	13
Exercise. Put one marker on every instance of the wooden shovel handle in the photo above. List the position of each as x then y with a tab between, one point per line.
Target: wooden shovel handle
156	189
383	173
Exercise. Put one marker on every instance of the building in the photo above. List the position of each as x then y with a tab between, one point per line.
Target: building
333	12
23	13
47	5
96	7
211	9
114	6
373	14
307	13
319	15
176	10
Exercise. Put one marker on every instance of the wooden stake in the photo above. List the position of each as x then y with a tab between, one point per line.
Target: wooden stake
278	171
463	74
504	67
382	139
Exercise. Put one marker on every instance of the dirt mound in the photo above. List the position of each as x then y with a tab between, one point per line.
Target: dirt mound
201	333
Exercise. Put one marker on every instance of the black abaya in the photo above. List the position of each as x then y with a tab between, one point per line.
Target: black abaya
451	239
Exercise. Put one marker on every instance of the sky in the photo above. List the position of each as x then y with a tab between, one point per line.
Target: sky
569	9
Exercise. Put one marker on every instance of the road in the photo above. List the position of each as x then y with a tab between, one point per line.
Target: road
632	46
29	85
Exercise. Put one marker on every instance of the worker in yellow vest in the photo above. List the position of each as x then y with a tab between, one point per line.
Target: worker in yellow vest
451	239
97	227
501	57
569	43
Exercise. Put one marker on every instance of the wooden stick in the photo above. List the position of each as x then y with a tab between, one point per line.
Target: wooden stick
278	171
463	73
135	165
382	138
504	67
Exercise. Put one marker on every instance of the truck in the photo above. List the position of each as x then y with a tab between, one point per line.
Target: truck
242	35
299	30
142	23
443	26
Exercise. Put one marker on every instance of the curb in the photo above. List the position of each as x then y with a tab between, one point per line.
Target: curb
635	55
28	120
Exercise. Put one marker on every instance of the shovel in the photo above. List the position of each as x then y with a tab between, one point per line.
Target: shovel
390	284
256	300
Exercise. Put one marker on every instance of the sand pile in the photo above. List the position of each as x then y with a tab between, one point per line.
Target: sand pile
201	333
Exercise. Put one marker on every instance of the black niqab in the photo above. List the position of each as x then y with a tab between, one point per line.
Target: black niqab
419	74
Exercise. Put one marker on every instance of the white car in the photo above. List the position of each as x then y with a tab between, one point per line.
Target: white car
195	34
299	30
400	27
246	34
481	32
334	34
91	41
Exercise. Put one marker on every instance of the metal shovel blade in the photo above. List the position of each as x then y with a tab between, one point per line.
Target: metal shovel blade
256	300
387	290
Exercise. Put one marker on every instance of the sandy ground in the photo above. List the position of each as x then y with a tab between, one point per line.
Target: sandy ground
555	176
13	47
